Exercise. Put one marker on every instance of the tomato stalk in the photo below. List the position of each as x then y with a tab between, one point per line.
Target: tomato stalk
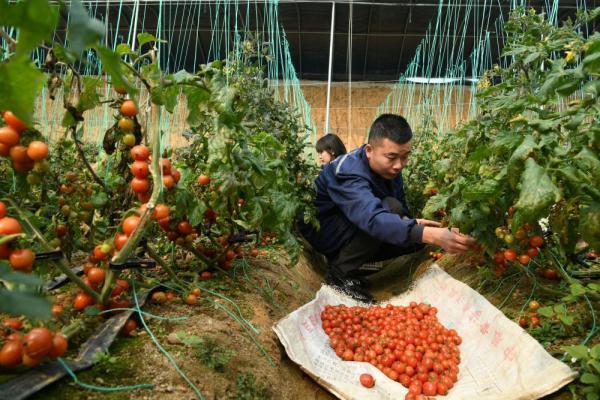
9	238
81	154
531	278
135	237
72	329
60	264
162	263
199	255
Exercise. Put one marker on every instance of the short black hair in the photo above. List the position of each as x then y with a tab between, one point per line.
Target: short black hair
392	127
332	144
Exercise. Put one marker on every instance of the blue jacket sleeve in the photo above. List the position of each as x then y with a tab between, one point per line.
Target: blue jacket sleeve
355	199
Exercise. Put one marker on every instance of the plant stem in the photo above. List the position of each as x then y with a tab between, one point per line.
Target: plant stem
9	40
139	76
135	237
81	153
9	238
152	253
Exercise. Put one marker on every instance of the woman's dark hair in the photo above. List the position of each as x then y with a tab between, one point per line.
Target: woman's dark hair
332	144
390	126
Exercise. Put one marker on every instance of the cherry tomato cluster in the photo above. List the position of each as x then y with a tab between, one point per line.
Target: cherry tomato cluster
407	343
170	174
223	253
140	170
522	247
94	271
19	259
31	348
126	122
534	318
75	207
436	255
24	157
191	298
181	232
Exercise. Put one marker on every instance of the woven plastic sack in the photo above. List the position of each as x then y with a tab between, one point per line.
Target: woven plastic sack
499	360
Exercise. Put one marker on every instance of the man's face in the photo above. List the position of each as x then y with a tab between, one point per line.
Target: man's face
388	158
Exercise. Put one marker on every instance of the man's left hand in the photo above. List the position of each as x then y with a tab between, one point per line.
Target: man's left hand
427	222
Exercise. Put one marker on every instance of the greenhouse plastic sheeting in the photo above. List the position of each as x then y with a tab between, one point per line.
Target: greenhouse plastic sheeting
499	360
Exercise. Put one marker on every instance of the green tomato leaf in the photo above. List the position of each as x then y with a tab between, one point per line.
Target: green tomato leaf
579	352
587	161
111	64
595	364
83	31
577	289
534	56
482	191
589	224
589	379
99	200
7	274
566	319
24	303
89	97
182	76
538	193
145	37
196	216
21	85
165	96
197	99
595	352
521	153
36	20
546	312
592	395
591	63
123	49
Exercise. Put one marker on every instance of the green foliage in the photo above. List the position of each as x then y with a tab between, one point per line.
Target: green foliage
208	351
588	360
530	148
248	389
22	83
19	294
548	332
558	311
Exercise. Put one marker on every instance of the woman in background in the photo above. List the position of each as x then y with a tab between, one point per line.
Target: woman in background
329	147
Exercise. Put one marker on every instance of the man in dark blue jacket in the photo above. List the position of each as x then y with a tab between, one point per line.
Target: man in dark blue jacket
362	210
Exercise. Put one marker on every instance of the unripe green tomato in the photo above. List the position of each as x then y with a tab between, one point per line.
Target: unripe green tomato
499	232
41	166
508	239
33	179
129	140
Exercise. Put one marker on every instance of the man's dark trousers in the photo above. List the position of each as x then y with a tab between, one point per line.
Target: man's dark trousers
362	249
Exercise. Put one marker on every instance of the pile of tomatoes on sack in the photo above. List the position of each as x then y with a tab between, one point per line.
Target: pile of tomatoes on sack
407	343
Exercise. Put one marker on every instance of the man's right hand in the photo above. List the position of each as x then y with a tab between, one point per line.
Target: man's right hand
451	241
